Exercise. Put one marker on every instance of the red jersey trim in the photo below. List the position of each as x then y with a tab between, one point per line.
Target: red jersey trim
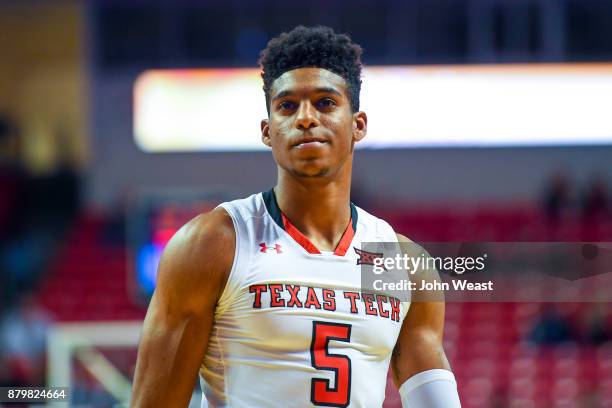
341	248
282	221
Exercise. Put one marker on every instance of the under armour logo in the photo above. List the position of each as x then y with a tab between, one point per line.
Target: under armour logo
367	258
264	248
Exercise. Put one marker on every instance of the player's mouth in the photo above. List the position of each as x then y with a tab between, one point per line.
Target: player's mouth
309	143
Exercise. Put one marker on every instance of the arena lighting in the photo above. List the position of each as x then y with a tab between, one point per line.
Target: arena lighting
431	106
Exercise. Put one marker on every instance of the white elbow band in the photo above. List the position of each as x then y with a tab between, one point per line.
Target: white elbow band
430	389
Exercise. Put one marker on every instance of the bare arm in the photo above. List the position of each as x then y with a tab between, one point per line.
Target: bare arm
419	345
192	274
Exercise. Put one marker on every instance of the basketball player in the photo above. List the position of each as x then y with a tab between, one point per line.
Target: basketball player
262	295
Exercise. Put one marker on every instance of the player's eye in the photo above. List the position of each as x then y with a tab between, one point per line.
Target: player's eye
326	103
286	105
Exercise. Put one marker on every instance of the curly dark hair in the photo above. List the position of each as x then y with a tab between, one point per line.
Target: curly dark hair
317	47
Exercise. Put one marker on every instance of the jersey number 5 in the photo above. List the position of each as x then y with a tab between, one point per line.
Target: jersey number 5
321	394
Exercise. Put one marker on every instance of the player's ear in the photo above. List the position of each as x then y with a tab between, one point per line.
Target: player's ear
265	132
360	126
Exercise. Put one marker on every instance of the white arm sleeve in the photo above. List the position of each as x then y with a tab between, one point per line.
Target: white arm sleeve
430	389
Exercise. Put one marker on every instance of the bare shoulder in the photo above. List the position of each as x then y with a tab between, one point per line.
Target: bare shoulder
214	229
408	246
402	238
412	249
198	258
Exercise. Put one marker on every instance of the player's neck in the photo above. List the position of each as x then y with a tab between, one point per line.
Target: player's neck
318	209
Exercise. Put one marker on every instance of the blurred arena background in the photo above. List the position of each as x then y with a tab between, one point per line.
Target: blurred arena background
86	206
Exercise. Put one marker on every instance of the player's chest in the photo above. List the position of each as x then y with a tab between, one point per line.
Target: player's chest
283	298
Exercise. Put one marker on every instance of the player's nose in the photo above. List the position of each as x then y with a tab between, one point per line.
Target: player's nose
306	116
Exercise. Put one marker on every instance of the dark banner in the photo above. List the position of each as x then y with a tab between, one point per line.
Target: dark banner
489	271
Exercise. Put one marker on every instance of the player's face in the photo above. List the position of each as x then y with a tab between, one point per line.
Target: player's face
311	128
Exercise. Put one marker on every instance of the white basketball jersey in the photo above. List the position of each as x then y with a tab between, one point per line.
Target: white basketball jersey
292	327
